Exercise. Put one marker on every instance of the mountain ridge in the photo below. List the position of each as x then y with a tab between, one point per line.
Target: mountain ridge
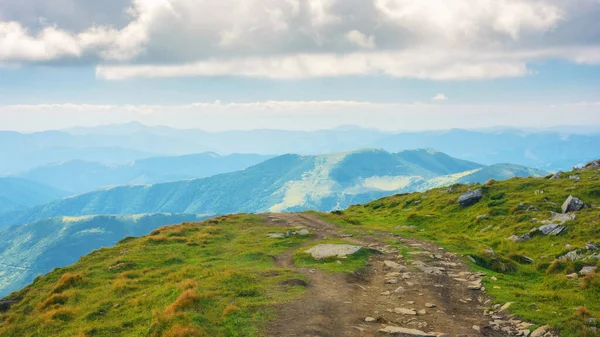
284	183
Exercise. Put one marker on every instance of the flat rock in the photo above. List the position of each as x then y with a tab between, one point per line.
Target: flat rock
402	332
404	311
553	229
323	251
539	332
392	265
587	270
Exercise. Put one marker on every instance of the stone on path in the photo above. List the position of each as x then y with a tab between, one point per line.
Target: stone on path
539	332
404	311
370	319
323	251
402	332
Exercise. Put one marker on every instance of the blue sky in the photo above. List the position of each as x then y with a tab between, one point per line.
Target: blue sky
299	64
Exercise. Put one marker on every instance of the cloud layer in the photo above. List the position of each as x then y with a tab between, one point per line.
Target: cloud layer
299	115
431	39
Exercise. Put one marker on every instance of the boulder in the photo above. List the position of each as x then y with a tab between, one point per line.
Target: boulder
332	250
572	204
276	235
470	198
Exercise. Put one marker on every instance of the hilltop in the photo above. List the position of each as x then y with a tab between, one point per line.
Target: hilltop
247	275
285	183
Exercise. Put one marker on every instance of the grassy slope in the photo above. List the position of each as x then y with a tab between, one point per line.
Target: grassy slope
37	248
541	294
210	279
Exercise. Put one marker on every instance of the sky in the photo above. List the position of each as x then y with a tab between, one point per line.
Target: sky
299	64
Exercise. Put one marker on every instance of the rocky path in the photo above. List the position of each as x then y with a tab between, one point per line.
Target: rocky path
429	292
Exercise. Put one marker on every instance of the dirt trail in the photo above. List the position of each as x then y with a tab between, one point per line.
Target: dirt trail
337	304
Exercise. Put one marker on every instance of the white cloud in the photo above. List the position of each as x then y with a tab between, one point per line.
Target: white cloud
421	64
430	39
299	115
360	39
440	97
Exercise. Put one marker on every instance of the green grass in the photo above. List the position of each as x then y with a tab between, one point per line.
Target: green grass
215	278
541	294
349	264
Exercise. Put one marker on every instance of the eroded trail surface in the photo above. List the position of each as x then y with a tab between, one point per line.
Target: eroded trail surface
429	290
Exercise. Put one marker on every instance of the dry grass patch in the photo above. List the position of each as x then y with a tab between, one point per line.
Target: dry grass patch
54	299
68	280
180	331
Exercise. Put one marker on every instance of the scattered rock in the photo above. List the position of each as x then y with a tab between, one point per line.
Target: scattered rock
404	311
332	250
476	328
587	270
402	332
276	235
505	306
483	217
430	305
514	238
539	332
573	276
556	175
553	229
422	312
302	232
572	204
392	265
470	198
571	256
575	177
370	319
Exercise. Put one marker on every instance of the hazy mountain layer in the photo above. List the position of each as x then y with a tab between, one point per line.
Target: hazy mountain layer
80	176
123	143
18	193
284	183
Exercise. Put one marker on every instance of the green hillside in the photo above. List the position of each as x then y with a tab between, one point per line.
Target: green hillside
209	279
17	193
220	277
34	249
284	183
535	273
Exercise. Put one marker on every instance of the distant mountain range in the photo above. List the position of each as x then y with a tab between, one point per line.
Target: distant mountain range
284	183
80	176
35	249
16	193
120	144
